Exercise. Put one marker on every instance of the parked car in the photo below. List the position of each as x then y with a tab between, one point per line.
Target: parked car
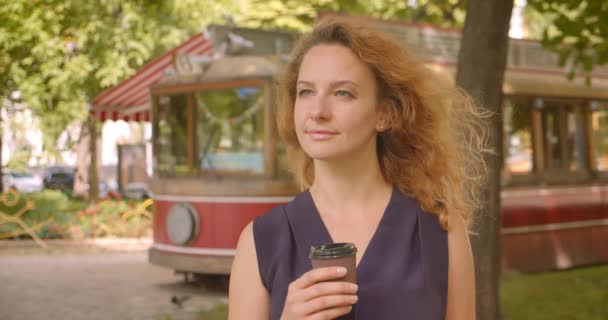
59	178
108	190
23	182
136	190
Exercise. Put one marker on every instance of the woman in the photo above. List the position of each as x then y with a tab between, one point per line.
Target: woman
390	155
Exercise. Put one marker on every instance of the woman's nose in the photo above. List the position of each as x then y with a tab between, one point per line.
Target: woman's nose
320	110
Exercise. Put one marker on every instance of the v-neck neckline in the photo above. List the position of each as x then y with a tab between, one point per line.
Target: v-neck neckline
372	240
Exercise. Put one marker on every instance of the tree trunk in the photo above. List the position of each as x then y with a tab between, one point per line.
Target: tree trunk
83	159
1	168
481	66
93	166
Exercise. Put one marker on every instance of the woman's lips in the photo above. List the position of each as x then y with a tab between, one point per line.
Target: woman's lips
320	135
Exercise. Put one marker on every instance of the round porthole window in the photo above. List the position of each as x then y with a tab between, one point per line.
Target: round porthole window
182	224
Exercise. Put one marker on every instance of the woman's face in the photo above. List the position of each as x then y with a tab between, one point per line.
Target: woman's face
336	104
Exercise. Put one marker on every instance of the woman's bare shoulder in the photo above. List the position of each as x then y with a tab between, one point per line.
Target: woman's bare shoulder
248	298
246	243
461	271
246	259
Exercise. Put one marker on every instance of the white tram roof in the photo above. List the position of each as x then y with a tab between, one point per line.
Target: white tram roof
545	84
226	68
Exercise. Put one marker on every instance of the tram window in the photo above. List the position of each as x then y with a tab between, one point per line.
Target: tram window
551	137
230	131
563	136
577	142
172	137
599	125
518	136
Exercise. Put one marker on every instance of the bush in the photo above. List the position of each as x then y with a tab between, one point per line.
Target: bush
52	214
113	218
48	209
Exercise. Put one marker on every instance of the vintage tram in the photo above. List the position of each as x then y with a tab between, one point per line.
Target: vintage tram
218	162
217	159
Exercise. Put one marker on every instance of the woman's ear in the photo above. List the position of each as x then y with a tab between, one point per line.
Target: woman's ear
381	126
383	122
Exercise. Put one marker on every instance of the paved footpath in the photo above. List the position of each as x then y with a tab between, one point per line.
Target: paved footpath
92	283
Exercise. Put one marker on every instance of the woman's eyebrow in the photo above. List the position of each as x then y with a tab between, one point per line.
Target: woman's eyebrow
342	83
331	85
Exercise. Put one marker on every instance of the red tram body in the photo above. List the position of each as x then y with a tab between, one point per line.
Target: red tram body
554	228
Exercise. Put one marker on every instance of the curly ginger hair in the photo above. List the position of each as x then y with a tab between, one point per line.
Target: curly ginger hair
433	149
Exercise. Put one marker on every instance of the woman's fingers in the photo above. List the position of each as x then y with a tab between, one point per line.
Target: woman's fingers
324	303
328	288
319	294
331	313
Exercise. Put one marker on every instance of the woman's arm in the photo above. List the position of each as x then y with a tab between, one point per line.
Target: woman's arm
461	272
247	296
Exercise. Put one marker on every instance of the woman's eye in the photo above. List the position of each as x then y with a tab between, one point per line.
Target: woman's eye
343	93
304	92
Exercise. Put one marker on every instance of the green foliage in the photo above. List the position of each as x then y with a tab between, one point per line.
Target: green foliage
293	14
48	204
578	32
62	53
536	22
219	312
18	160
74	218
106	219
300	15
444	13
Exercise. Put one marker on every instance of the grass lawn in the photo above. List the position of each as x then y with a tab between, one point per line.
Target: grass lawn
220	312
579	294
566	295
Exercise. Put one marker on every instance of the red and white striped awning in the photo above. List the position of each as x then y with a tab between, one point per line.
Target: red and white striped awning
130	100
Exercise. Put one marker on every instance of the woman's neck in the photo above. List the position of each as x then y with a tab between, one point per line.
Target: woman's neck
350	187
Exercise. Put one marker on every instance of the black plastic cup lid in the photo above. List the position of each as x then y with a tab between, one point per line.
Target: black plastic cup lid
332	251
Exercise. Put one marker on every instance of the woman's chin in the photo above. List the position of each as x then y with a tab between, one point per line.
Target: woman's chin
327	156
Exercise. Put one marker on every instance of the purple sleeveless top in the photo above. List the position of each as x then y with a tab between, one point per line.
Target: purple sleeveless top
403	273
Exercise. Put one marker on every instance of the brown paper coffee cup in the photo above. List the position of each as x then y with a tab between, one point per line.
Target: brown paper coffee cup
336	255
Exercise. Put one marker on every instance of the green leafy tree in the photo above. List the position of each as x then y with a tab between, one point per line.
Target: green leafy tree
291	14
300	15
60	54
577	30
444	13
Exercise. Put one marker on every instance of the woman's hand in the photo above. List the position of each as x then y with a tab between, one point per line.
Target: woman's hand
314	296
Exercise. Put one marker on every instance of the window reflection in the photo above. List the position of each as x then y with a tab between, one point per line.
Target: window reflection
230	130
577	143
171	137
551	136
518	136
570	136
